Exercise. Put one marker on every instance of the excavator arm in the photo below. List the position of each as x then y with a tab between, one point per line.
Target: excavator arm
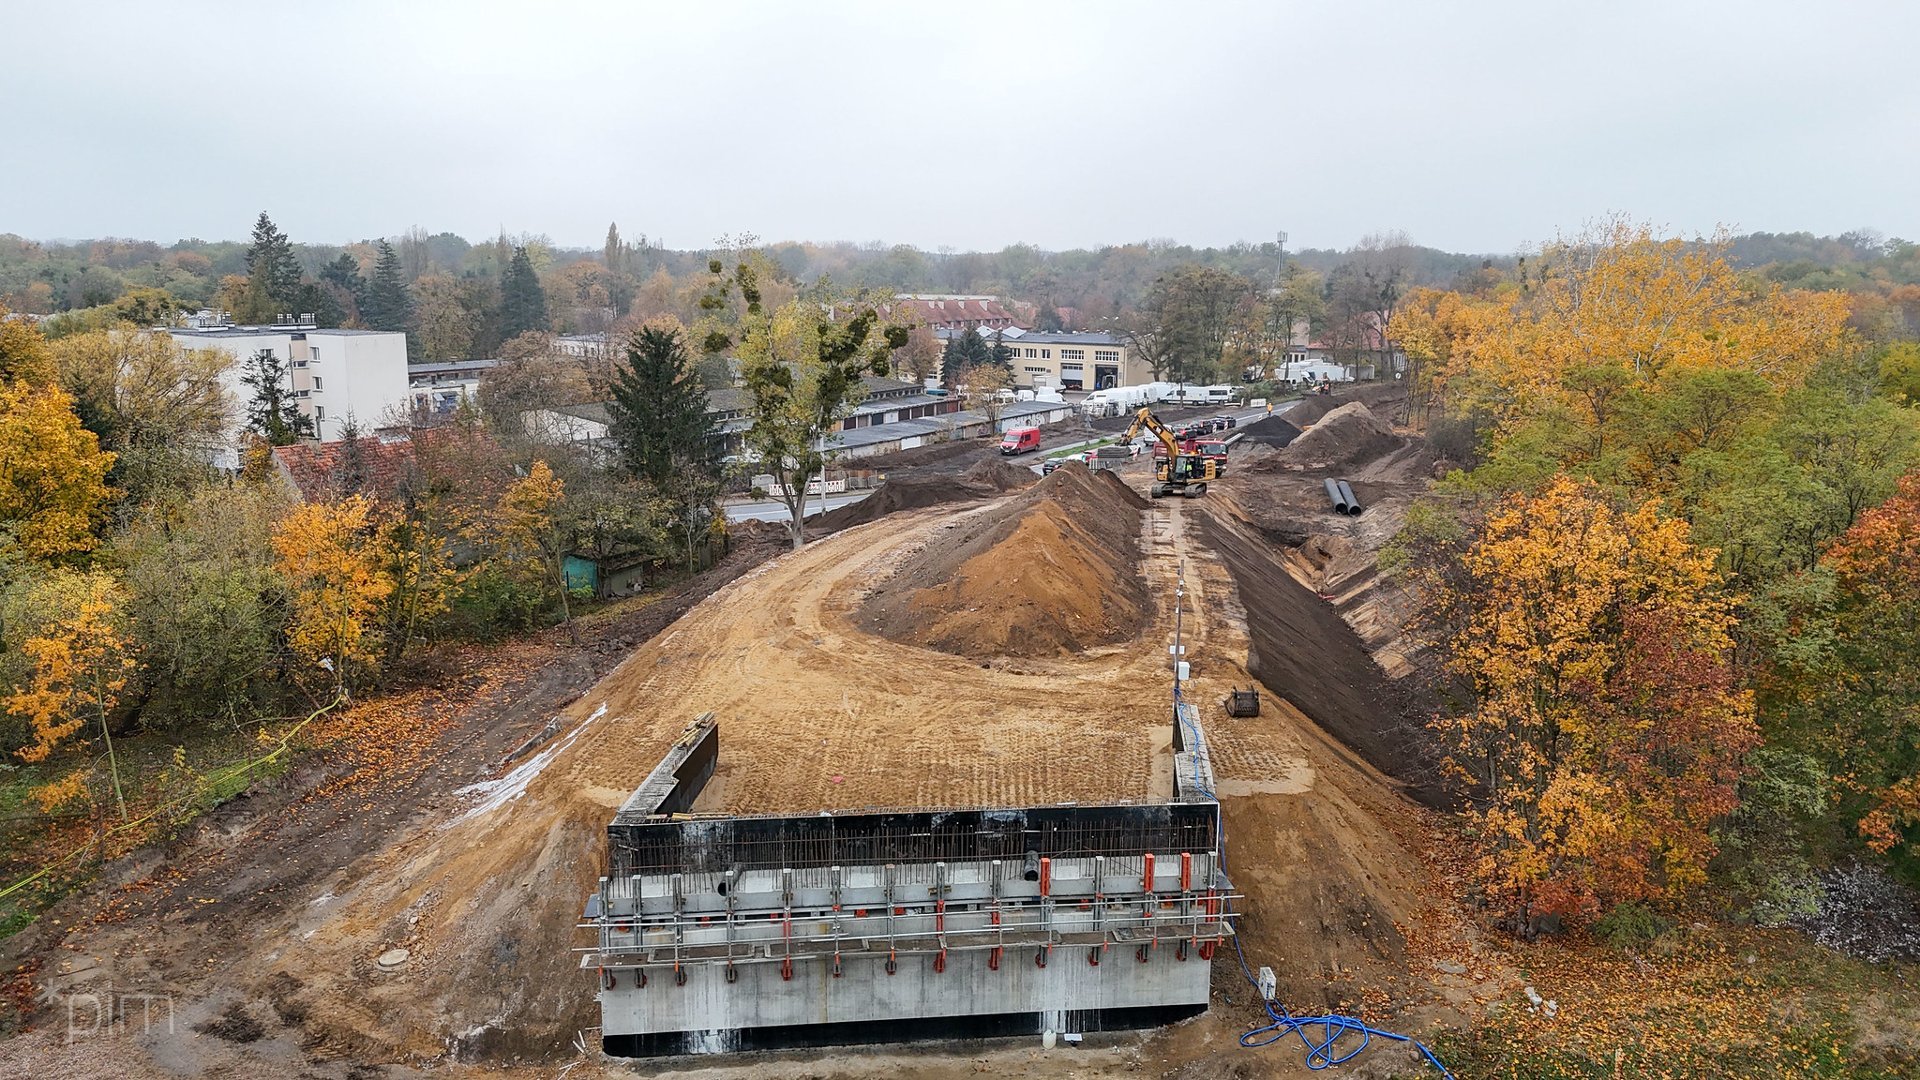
1183	473
1145	419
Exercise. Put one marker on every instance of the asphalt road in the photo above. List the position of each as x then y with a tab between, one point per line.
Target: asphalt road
775	510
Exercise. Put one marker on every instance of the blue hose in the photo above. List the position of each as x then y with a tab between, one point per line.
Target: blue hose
1320	1035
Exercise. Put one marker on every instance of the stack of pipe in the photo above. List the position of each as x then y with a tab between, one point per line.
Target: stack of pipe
1344	501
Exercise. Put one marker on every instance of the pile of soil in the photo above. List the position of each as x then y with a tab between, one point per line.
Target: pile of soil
905	493
1270	431
1348	435
983	480
1303	650
1000	474
1053	572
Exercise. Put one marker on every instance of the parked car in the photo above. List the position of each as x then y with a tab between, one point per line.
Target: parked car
1047	467
1225	423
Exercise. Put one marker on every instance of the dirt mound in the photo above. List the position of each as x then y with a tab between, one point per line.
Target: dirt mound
1051	573
999	474
1349	435
1302	650
901	494
1270	431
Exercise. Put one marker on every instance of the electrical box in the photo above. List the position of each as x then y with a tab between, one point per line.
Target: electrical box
1268	984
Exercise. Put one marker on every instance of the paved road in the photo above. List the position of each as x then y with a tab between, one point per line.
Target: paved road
775	510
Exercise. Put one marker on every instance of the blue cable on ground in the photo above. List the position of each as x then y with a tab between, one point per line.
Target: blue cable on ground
1322	1046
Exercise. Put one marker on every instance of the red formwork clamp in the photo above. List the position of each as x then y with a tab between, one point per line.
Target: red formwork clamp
679	974
892	964
1040	956
1093	956
641	980
940	962
1180	949
1206	950
1143	953
993	959
1186	871
836	965
1146	877
733	973
786	970
1046	875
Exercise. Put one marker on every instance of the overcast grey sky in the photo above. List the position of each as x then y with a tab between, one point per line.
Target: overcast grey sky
1472	126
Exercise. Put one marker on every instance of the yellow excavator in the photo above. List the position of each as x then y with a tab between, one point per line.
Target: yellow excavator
1180	472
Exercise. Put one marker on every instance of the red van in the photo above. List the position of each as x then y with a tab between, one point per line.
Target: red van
1020	440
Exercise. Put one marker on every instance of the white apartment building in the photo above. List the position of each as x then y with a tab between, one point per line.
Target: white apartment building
334	375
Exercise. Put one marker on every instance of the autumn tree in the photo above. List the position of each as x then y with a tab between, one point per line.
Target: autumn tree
81	663
53	474
155	404
1191	311
920	359
532	375
441	325
332	557
1606	729
802	363
24	353
1858	694
528	532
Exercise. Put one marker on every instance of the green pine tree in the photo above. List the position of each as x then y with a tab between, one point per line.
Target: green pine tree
342	277
273	274
659	409
523	303
388	305
969	350
665	434
271	411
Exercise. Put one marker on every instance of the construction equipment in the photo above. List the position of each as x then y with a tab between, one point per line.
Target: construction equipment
1182	471
1243	702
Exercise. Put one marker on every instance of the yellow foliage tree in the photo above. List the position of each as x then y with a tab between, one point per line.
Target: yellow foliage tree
53	474
334	558
528	534
1607	731
23	351
81	662
1619	296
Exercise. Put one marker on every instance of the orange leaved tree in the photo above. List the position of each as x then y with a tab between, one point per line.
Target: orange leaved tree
334	558
1872	703
1606	730
81	661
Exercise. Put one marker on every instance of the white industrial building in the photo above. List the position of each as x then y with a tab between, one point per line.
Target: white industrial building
335	376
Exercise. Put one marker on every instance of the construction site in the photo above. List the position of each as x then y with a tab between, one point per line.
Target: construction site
926	778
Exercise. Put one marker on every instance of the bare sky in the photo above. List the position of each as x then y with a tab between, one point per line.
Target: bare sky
1473	126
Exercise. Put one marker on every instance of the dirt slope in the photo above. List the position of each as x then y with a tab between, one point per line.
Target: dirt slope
1346	436
1050	573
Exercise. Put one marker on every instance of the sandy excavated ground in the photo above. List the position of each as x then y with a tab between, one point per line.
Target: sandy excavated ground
814	713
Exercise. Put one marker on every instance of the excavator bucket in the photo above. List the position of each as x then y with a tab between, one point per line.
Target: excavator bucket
1243	703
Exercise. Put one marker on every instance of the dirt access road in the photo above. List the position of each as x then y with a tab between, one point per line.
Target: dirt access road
814	713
